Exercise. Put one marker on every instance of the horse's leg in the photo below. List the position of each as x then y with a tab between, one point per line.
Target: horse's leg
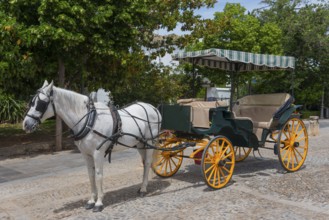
147	156
91	172
99	162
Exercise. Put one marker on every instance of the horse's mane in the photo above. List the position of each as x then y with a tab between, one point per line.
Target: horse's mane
69	100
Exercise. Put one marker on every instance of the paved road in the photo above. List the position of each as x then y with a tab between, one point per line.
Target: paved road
56	186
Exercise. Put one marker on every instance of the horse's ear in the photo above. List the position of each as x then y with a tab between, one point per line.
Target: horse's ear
45	84
51	84
50	87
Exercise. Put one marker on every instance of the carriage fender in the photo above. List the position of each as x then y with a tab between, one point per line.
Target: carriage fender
287	114
235	138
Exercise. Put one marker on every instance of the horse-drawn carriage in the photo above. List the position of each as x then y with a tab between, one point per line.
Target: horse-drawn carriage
230	135
222	135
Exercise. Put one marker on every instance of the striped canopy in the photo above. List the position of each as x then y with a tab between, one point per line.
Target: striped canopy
236	61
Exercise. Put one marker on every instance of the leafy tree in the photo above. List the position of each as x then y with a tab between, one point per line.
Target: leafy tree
234	29
305	36
16	66
75	36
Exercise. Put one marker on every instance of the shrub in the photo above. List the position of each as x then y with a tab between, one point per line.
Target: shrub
11	110
306	114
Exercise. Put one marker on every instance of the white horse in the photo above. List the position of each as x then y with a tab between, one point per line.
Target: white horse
142	121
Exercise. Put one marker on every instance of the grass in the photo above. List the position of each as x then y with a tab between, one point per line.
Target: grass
47	127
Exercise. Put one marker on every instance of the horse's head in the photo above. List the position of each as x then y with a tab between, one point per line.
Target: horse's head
40	108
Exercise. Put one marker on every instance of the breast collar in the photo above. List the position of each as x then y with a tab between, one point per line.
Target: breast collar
89	123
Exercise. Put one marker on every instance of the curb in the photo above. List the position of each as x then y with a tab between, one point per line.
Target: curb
30	148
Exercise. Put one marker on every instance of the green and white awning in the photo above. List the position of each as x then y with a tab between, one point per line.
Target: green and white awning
236	61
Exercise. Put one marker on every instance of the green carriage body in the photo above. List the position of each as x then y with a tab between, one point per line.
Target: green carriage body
239	130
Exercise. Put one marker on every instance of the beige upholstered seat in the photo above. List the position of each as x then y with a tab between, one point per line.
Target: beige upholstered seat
259	109
200	110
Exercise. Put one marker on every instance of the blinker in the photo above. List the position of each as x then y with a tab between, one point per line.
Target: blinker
41	106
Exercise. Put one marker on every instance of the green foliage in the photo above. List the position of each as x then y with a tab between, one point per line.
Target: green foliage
95	39
233	29
11	110
305	36
152	83
307	114
16	69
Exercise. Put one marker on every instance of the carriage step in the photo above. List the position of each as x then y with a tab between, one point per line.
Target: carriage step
191	144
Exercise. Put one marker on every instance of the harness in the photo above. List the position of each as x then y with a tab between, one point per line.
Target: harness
116	134
41	106
89	123
117	130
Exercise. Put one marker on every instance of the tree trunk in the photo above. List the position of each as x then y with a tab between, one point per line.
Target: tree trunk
59	126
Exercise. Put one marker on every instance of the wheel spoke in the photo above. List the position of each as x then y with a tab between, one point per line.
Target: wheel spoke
299	133
285	148
291	127
224	168
221	172
166	167
289	155
299	153
211	174
295	156
209	168
160	161
173	162
219	177
215	174
162	165
287	136
223	151
212	149
285	154
300	139
170	165
227	155
297	127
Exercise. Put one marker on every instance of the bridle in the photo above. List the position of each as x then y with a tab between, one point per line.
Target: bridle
41	105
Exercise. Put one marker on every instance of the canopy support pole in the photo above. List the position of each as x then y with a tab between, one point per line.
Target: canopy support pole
292	83
232	89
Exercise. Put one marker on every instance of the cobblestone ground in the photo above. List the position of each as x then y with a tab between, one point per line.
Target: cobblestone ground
258	190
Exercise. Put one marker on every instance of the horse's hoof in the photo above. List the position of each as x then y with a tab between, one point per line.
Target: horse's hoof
98	208
141	194
89	206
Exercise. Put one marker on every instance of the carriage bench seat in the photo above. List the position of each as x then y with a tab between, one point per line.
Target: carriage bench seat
261	109
200	110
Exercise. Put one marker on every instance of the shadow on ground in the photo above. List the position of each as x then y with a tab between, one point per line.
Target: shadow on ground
117	197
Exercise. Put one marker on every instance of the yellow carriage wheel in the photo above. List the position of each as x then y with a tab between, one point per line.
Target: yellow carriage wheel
241	153
167	163
218	161
293	144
